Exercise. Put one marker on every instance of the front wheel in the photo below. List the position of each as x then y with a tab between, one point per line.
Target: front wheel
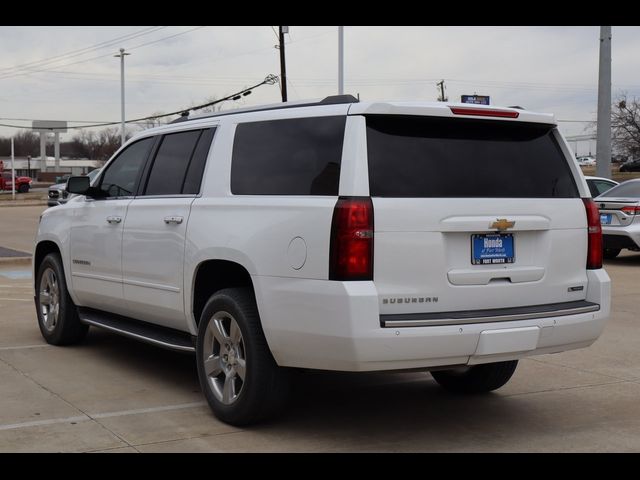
57	315
610	253
238	375
476	379
24	188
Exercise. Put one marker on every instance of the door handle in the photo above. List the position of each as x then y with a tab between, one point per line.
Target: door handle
175	220
114	219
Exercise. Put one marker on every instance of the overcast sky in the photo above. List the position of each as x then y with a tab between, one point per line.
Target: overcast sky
46	74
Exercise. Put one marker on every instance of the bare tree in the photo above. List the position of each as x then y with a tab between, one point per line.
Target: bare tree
154	122
211	108
96	146
26	142
625	125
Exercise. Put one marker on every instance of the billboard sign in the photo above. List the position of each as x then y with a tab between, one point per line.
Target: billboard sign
51	125
476	99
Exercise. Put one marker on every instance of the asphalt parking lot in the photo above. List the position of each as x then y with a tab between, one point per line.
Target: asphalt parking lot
115	395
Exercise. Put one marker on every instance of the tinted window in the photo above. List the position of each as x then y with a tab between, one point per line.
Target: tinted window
298	156
196	167
598	187
171	162
121	177
442	157
626	189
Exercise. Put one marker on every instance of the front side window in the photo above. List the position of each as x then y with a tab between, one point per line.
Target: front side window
298	156
122	175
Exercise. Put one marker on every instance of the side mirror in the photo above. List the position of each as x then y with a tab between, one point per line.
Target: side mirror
78	185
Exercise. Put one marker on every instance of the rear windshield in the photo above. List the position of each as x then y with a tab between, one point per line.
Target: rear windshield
450	157
626	189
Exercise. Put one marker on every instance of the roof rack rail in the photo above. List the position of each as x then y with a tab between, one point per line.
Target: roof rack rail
330	100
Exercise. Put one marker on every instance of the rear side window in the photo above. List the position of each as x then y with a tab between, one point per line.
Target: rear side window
298	156
443	157
171	162
179	163
195	171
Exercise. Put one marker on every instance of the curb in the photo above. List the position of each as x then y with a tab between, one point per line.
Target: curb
7	261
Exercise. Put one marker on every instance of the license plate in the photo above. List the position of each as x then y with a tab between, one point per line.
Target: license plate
489	249
605	218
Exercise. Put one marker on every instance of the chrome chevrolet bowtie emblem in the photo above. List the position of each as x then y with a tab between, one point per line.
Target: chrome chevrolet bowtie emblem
501	224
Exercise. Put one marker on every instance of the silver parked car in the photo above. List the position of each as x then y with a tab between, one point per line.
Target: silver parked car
58	194
620	218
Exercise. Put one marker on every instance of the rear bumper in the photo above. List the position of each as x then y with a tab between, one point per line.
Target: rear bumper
621	237
336	326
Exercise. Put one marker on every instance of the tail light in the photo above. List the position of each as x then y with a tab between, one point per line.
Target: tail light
594	235
631	210
351	256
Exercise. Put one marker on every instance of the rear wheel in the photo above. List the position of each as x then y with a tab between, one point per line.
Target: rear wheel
57	315
24	188
238	375
476	379
610	253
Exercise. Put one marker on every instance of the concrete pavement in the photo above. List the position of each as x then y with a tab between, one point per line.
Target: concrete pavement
113	394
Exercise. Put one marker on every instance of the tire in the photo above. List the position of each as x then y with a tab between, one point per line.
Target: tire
24	188
58	320
261	390
610	253
477	379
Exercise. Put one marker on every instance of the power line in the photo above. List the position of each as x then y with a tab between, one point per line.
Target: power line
99	56
81	51
269	80
167	38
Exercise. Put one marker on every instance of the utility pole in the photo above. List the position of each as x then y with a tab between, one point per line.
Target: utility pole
122	55
603	145
340	60
441	98
283	67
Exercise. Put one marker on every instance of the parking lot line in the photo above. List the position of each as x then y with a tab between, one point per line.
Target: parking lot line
96	416
39	423
22	347
147	410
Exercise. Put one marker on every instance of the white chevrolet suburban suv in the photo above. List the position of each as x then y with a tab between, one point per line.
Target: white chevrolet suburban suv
334	235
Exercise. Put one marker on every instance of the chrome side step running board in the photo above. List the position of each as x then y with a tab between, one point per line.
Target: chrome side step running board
143	331
487	316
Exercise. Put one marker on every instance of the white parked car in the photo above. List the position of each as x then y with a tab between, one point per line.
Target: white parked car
620	218
599	185
332	235
586	161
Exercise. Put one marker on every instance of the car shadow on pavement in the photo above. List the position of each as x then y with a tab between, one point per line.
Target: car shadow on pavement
362	409
628	258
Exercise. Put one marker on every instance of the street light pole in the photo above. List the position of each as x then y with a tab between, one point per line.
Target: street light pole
603	145
340	60
121	55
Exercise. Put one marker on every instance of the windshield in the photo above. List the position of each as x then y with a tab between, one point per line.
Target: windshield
626	189
93	174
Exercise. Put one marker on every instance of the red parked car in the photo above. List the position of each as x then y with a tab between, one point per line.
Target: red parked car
23	184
